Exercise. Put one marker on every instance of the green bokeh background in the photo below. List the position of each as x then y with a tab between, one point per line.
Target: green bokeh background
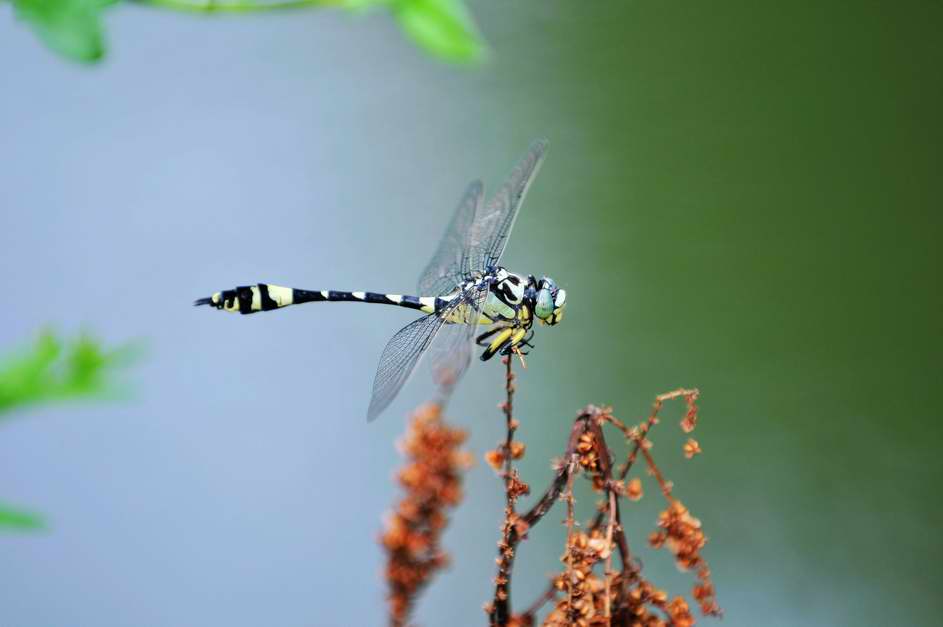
758	214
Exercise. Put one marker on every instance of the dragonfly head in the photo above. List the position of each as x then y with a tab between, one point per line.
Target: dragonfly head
551	301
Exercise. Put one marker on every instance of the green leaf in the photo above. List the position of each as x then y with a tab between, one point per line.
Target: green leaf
19	520
72	28
443	28
53	371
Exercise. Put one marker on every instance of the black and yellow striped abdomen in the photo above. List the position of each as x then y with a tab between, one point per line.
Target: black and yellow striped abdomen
249	299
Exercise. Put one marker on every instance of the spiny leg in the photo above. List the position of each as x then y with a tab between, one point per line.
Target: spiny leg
494	339
526	342
504	339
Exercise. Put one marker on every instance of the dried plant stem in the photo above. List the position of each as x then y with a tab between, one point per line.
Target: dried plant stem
664	485
568	497
624	596
499	610
502	591
605	475
511	428
638	434
609	572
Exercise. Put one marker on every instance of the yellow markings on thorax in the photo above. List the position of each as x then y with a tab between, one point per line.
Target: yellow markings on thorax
462	314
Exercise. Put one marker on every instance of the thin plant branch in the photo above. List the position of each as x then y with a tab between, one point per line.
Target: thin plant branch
568	497
499	610
623	596
609	572
513	488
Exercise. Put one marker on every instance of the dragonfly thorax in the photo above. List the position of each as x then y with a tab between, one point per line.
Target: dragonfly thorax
509	293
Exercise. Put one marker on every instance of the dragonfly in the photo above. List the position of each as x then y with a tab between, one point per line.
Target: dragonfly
463	289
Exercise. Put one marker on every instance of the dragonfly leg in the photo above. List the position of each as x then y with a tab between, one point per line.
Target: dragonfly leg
502	337
484	338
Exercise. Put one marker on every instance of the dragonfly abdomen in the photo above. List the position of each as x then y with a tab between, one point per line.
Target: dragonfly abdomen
249	299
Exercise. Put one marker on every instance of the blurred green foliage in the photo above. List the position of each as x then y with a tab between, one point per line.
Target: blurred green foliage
10	518
443	28
73	28
54	371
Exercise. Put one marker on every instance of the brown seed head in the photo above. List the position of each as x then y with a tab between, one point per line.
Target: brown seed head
432	482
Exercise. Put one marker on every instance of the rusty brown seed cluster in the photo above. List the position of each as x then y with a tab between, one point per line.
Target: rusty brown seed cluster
681	533
601	582
591	589
496	457
432	481
582	591
691	448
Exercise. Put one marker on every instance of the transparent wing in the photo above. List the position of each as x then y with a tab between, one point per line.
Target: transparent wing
399	359
451	356
451	353
448	266
494	221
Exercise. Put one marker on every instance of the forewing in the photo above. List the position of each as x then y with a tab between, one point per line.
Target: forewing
399	359
451	353
446	268
494	221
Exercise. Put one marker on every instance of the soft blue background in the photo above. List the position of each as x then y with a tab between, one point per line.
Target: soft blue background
739	198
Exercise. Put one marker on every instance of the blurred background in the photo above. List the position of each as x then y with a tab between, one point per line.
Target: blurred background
739	198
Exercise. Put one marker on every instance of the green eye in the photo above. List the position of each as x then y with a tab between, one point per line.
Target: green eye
545	306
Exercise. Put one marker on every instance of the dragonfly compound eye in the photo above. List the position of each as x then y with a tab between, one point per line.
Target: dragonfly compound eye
543	309
559	301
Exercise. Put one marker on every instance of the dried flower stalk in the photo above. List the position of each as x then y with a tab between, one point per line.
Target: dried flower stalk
432	478
616	596
591	590
513	527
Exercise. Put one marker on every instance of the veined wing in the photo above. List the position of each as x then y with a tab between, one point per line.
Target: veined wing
405	349
494	221
399	359
476	236
448	267
451	353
